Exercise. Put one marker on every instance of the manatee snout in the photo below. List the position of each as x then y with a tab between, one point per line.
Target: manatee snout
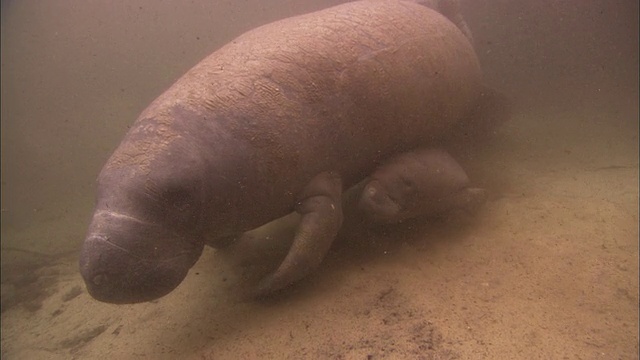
377	203
125	260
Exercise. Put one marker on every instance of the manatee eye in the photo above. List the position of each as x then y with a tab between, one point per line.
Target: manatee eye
168	194
178	197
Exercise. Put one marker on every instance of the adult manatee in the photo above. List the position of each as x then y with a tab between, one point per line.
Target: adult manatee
281	119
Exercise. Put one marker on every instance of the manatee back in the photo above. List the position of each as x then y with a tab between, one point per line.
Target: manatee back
363	77
340	89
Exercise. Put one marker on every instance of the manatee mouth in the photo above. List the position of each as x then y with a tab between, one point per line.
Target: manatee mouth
119	267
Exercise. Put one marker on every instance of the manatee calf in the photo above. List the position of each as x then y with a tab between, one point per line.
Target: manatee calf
280	119
421	183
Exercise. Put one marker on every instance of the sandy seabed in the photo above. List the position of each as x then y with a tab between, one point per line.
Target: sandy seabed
547	270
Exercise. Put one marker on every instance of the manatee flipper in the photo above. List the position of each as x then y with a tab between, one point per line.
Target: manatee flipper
321	209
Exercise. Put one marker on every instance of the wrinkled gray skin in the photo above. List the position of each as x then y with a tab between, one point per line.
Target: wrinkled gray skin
281	119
